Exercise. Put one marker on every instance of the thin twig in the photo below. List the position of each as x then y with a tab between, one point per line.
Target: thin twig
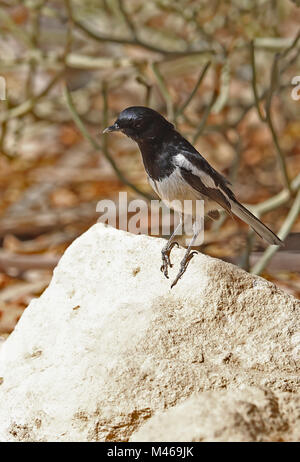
293	45
273	84
35	32
140	43
275	201
290	62
164	91
223	86
4	132
269	121
254	83
25	107
284	231
245	264
207	111
268	117
183	107
127	20
280	154
140	79
69	38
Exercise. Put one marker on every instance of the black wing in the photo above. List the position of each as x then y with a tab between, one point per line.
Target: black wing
202	177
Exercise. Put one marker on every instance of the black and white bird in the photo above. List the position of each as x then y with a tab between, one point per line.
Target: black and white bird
177	172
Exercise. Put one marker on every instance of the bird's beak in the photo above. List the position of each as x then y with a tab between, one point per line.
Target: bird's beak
113	128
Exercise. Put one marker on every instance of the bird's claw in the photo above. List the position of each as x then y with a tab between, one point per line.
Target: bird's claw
166	258
183	266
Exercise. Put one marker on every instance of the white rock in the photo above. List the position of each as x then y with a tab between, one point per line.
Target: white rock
249	414
108	344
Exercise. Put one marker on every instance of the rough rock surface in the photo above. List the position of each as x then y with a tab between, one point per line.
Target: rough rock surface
250	414
108	344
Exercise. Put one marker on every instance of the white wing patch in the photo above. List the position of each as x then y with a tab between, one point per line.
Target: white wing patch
182	161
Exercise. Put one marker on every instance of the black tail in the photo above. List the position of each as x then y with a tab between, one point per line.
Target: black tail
262	230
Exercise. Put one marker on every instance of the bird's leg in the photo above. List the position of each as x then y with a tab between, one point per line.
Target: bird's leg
166	251
183	265
187	257
166	257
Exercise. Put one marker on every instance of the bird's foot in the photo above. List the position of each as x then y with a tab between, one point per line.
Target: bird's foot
165	253
183	266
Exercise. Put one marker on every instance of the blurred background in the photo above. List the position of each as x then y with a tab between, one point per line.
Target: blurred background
224	72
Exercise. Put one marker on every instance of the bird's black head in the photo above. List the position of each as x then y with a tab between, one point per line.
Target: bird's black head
139	122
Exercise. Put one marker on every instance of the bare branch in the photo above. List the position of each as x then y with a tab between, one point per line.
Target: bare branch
292	46
284	231
127	20
269	121
148	87
254	83
276	201
164	91
182	108
207	111
25	107
140	43
268	117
